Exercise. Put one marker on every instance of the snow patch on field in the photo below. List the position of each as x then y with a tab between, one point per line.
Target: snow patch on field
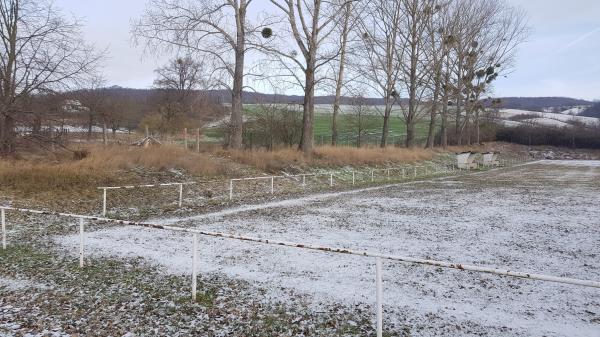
545	122
508	113
519	219
15	284
573	163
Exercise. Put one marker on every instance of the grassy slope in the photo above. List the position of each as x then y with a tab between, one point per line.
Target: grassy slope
323	121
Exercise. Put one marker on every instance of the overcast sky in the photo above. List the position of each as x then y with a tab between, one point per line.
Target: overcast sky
561	57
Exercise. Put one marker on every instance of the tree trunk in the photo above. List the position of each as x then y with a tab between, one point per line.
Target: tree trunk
7	135
340	77
237	109
386	122
477	126
37	124
306	141
410	132
104	134
90	125
433	114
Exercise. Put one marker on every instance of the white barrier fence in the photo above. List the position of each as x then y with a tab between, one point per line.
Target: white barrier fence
357	176
378	256
369	175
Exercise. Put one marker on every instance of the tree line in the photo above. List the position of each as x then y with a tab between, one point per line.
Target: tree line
432	60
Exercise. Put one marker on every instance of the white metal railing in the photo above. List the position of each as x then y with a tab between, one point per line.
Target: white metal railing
336	250
398	172
406	172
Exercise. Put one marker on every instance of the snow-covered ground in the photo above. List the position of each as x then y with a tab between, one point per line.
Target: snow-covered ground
541	218
575	110
508	113
544	121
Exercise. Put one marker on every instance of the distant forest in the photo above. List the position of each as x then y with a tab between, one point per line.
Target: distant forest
593	111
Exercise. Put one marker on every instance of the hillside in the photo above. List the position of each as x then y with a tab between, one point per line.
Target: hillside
541	103
593	111
522	103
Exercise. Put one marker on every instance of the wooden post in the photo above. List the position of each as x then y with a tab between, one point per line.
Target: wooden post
272	184
104	134
147	131
185	144
198	140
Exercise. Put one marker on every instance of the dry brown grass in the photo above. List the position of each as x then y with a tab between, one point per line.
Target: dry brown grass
156	158
327	156
103	165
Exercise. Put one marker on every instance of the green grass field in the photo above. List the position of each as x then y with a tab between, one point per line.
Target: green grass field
347	129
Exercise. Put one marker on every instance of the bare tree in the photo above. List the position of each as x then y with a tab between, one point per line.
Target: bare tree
178	81
360	119
379	64
311	24
437	53
345	28
216	29
416	69
40	50
93	101
485	34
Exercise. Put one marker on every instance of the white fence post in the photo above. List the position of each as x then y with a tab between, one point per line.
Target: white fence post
104	202
272	184
194	265
403	173
3	220
180	195
388	174
331	179
81	225
415	171
379	296
230	189
353	178
372	175
303	180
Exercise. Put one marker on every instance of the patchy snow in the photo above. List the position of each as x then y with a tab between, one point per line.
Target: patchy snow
574	163
539	218
508	113
575	110
543	121
14	284
508	123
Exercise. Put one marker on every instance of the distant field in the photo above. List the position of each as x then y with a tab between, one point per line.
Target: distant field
346	130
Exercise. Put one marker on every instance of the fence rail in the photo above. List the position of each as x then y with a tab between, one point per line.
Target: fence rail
301	178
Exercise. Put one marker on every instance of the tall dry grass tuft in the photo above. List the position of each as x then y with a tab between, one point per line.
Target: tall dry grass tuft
327	156
156	158
102	165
